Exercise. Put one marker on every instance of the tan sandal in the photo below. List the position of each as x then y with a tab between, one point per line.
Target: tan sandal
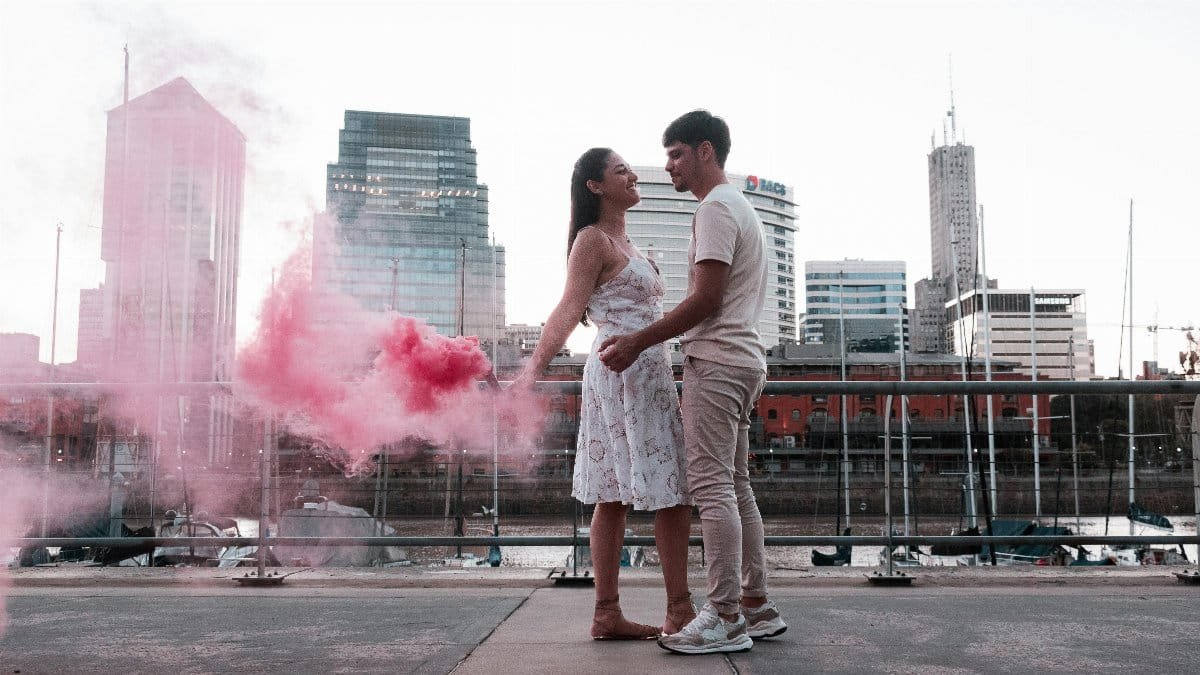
614	625
680	612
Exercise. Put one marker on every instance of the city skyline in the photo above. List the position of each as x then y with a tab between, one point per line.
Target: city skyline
1072	110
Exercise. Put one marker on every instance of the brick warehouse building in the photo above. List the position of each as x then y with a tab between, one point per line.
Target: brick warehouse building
794	433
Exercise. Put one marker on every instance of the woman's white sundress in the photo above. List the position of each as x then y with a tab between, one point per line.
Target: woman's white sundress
630	446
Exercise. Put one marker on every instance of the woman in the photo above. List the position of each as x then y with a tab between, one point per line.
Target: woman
630	449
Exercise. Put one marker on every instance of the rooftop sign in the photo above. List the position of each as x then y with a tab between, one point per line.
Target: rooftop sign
756	184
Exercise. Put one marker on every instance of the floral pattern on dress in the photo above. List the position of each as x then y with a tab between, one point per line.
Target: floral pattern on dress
630	427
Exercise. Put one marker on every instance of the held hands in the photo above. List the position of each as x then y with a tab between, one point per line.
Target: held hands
619	352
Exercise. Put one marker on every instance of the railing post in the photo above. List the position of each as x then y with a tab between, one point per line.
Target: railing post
264	504
1196	460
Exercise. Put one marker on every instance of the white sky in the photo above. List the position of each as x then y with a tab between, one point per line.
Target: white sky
1073	109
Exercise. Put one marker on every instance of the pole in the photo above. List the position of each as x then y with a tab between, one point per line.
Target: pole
987	366
1132	430
378	488
1037	460
264	504
842	397
1074	439
387	474
1196	458
495	418
962	332
887	480
118	302
49	458
395	279
904	432
459	529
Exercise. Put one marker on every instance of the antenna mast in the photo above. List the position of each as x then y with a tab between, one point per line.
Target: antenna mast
950	113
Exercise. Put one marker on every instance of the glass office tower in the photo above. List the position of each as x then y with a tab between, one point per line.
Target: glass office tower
866	298
410	223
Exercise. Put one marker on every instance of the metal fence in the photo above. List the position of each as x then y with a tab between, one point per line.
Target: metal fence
821	489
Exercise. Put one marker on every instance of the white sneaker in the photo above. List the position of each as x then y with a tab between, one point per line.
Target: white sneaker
708	633
764	621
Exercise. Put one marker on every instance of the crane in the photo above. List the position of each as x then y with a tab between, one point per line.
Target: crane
1189	359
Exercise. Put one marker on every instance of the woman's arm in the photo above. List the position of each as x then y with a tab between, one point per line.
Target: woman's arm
590	255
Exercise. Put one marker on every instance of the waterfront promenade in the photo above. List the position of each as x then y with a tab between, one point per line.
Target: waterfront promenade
514	620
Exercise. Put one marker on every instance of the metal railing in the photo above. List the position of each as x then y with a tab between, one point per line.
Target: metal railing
889	539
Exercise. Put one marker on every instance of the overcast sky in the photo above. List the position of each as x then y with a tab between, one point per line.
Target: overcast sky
1073	108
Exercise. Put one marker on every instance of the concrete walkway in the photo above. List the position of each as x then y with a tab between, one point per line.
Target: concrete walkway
129	620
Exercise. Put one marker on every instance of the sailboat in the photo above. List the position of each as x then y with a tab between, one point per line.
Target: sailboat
1139	516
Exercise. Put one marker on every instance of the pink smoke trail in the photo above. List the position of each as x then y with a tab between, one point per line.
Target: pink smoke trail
358	380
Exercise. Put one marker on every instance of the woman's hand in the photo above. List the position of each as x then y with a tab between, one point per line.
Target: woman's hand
523	382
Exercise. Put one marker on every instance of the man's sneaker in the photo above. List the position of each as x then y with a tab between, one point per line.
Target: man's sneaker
708	633
763	622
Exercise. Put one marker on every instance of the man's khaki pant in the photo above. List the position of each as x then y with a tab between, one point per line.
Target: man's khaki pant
717	400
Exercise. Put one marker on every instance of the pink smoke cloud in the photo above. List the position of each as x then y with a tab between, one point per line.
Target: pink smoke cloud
358	380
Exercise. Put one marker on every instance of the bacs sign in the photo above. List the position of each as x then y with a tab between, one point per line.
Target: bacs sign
756	184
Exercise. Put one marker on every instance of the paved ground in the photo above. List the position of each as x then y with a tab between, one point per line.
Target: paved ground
128	620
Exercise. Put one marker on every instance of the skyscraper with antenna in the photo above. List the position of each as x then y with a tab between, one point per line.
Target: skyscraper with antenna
953	224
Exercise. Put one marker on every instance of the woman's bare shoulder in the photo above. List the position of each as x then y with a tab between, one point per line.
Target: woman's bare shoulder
591	236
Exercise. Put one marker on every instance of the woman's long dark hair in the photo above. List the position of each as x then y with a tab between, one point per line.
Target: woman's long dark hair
585	204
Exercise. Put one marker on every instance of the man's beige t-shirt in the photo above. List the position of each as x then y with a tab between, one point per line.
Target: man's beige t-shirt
726	228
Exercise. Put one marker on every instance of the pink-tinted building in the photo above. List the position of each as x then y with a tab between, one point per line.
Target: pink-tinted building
173	188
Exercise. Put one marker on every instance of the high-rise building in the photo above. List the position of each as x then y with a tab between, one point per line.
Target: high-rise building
661	226
953	219
953	224
173	186
410	224
91	345
1056	332
19	358
929	317
868	299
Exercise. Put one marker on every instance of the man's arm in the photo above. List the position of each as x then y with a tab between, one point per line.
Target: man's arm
708	289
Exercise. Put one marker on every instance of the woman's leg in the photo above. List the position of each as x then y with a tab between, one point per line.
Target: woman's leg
672	527
606	536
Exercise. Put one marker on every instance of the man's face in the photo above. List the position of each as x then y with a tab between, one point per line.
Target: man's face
682	164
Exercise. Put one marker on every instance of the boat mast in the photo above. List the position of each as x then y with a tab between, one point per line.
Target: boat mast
1037	461
987	365
842	397
904	438
1132	431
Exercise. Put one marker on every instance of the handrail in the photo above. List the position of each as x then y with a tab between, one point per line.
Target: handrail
973	387
565	540
910	387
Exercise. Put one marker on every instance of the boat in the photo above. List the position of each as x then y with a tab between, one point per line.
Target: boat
181	524
1144	516
581	556
1145	554
328	518
1022	554
902	556
840	558
958	549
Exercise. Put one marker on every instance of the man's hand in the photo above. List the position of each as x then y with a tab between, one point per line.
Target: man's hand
620	351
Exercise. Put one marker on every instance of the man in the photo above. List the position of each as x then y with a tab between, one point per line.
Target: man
723	374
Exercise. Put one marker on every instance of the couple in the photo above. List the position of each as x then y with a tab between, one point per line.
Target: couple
635	445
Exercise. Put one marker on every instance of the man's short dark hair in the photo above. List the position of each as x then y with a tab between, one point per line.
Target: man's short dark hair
696	127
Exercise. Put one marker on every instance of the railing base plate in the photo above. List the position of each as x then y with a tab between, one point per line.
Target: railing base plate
564	579
897	579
